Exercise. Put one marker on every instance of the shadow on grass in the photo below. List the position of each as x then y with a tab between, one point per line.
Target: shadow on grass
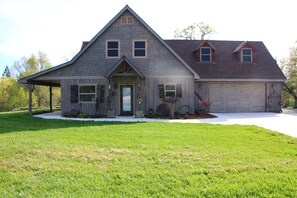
21	121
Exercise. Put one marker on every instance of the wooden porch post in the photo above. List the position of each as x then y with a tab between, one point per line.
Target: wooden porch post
51	99
30	99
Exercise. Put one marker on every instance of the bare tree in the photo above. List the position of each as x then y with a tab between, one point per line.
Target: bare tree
194	31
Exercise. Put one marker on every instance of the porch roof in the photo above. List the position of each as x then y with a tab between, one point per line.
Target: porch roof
121	69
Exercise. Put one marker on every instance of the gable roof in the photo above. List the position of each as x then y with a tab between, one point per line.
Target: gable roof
86	45
242	45
123	60
205	42
226	65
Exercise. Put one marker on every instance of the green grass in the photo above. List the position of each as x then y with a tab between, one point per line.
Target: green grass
54	158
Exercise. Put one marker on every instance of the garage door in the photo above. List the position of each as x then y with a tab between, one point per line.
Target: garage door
231	97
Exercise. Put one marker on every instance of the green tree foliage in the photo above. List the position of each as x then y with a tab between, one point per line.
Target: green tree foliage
6	72
12	94
289	67
194	31
33	64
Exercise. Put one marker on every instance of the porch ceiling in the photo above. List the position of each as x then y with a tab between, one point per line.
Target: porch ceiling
53	83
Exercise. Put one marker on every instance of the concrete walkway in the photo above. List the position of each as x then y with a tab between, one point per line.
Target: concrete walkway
279	122
283	123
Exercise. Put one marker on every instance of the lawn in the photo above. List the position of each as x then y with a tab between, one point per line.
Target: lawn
55	158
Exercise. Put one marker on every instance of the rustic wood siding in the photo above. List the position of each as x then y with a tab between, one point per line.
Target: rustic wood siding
274	92
87	108
153	97
116	82
202	88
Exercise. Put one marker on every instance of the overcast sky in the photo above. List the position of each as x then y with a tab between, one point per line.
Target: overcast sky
57	27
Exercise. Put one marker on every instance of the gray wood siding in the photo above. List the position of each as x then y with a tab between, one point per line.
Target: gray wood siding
87	108
116	82
152	93
274	92
93	62
202	88
144	89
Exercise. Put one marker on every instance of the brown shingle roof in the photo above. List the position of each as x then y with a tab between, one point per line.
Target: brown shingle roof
226	64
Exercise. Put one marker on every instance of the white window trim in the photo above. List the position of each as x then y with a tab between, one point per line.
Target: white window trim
169	90
133	47
106	48
205	54
247	55
79	94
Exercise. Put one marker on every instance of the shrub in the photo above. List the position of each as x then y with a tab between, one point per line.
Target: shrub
83	115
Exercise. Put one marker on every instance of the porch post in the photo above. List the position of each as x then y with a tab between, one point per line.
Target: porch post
51	99
30	99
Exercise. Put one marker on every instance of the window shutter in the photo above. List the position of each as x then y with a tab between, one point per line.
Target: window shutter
179	91
101	93
161	91
74	94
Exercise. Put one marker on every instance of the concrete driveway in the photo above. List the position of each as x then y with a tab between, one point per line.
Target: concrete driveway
279	122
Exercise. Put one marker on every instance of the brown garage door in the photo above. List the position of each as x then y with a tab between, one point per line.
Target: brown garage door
237	97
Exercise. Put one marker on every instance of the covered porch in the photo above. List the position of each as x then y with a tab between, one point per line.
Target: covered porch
30	82
126	88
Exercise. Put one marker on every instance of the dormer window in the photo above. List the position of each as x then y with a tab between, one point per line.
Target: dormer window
245	52
205	54
246	55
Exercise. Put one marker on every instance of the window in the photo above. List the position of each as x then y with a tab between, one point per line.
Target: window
127	19
87	93
246	55
170	90
205	54
139	48
112	49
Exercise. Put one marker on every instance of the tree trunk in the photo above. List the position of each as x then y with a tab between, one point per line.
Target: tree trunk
295	102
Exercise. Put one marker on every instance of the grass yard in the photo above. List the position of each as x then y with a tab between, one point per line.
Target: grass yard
55	158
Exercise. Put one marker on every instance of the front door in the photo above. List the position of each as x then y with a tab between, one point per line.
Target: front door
126	100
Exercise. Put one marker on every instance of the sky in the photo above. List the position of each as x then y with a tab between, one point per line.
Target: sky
58	27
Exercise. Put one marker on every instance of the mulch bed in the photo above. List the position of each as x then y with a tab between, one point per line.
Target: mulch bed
186	116
194	116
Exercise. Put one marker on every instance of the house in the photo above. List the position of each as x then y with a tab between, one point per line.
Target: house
128	69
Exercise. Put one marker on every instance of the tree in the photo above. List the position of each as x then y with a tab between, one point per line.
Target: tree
6	72
289	67
31	65
194	31
12	95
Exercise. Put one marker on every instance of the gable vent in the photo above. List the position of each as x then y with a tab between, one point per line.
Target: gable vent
127	19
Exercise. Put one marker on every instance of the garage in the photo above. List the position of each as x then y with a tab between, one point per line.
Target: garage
237	97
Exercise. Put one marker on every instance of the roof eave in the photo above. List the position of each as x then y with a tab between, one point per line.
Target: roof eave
26	80
239	80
